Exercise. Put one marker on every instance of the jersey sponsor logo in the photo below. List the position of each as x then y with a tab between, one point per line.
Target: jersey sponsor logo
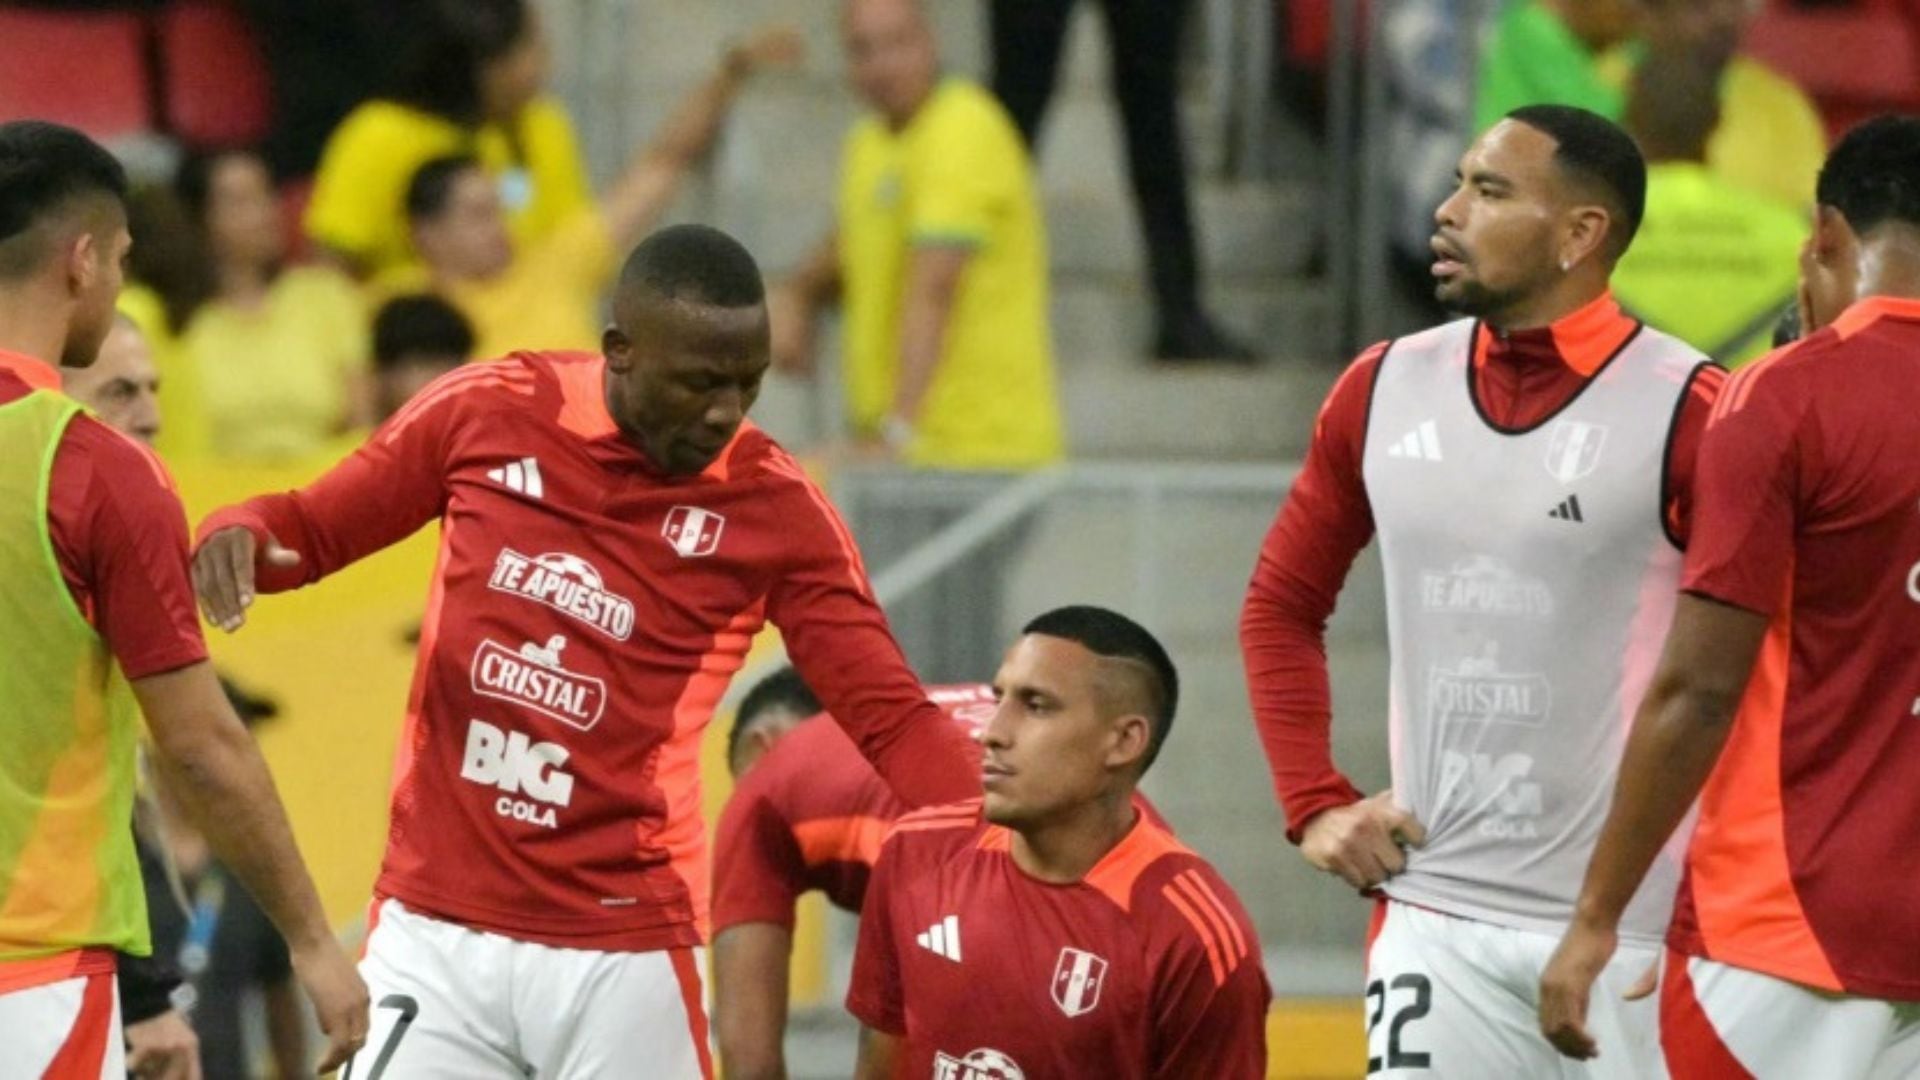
1420	444
1573	449
522	476
982	1064
566	583
518	766
1077	978
942	938
1483	585
1476	690
693	532
1568	510
1495	790
534	677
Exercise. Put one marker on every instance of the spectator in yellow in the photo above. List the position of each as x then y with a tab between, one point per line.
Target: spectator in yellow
1714	264
544	292
1576	52
471	83
276	354
939	261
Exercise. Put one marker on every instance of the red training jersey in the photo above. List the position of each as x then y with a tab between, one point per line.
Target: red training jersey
1520	379
119	535
1806	860
1147	967
811	814
584	619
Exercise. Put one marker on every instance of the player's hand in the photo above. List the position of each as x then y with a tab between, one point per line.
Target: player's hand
792	320
1567	984
1362	844
223	574
163	1048
767	47
339	996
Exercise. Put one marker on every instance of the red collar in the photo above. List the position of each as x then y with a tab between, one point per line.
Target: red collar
37	374
1583	340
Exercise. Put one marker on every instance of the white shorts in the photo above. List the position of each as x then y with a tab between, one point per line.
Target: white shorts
1727	1023
452	1003
1457	999
66	1030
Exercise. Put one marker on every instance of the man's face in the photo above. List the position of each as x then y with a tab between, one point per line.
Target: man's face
1053	743
890	55
97	270
682	375
243	212
769	726
121	385
468	238
1497	235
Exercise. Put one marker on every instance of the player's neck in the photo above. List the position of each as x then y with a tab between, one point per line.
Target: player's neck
1064	850
1572	293
31	326
1890	265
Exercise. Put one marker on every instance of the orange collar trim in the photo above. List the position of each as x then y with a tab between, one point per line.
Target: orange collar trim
36	373
1871	310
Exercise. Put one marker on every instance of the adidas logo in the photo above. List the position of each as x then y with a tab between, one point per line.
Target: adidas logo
1420	444
942	938
522	476
1568	510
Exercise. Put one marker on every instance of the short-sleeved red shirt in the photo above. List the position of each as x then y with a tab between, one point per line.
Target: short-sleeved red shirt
1147	967
1806	861
119	534
811	815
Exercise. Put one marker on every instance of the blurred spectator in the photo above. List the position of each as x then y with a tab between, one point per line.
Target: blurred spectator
544	292
277	354
1144	37
1713	262
1583	52
416	339
940	261
472	82
123	386
224	945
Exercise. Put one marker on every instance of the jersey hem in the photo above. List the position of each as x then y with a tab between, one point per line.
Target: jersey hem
629	938
1689	944
1513	920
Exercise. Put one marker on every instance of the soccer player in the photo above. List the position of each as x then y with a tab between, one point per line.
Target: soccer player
613	534
1528	471
96	616
1794	663
809	813
1053	929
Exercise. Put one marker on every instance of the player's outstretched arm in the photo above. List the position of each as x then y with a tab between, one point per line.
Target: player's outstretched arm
1678	734
225	569
879	1056
750	964
225	789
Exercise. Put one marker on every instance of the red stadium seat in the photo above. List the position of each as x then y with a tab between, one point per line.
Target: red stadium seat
84	69
1855	62
215	89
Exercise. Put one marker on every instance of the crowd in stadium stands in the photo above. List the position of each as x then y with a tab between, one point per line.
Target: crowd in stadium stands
445	216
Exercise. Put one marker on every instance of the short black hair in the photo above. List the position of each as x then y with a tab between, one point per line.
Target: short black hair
698	263
43	168
1596	151
1113	636
417	324
784	689
1873	176
431	187
450	42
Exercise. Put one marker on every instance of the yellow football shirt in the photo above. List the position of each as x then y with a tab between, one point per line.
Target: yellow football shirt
1714	264
359	193
273	381
958	173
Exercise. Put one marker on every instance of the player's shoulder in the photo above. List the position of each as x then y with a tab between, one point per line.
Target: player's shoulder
1788	375
935	832
129	469
1175	895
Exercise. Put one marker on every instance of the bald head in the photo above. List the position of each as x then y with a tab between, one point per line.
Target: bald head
891	56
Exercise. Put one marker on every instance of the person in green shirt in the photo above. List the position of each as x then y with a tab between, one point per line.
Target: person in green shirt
1715	262
1546	52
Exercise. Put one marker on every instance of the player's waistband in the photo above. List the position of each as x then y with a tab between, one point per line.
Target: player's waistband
640	929
25	973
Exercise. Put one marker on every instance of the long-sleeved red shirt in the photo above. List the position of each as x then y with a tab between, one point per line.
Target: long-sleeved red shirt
586	614
1520	379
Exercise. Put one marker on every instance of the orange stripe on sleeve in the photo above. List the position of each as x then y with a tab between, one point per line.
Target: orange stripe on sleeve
1226	914
1229	954
856	838
1199	927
